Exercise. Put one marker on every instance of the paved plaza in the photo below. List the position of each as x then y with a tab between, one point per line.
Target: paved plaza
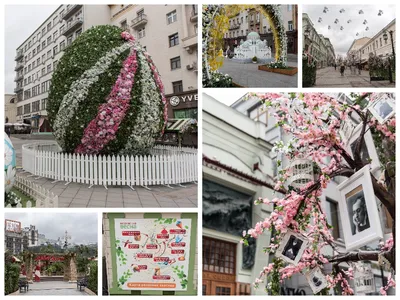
56	288
329	77
80	195
248	75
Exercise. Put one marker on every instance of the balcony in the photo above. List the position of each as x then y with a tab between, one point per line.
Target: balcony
19	55
19	77
193	16
18	89
19	66
139	21
190	43
234	26
71	10
74	25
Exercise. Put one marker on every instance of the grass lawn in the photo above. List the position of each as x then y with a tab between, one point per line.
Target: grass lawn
24	198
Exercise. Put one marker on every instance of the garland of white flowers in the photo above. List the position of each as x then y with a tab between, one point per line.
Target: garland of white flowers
79	90
148	120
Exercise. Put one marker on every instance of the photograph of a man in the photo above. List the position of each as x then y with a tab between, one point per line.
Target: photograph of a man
358	212
292	247
383	108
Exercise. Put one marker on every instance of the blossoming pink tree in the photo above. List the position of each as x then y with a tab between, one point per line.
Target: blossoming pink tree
313	121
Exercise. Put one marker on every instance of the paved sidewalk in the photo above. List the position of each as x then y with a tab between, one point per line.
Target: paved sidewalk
53	288
248	75
80	195
328	77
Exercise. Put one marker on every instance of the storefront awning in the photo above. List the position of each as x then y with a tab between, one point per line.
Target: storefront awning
179	125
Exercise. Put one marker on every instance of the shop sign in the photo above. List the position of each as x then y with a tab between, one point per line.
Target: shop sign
176	100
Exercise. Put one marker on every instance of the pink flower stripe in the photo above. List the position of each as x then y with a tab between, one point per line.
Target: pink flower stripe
160	86
103	128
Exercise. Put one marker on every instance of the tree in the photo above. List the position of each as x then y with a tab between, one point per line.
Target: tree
313	121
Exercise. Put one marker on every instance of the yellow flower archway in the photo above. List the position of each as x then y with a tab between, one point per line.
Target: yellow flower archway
216	24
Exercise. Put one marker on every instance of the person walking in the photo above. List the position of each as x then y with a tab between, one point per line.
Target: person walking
359	69
335	66
342	69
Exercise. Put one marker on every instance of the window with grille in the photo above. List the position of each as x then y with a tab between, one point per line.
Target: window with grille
175	63
141	33
244	289
290	25
173	40
219	256
172	17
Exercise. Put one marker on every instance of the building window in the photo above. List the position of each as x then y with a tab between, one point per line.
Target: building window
29	67
36	106
177	87
49	68
69	40
290	25
43	58
289	7
62	29
48	26
78	33
43	44
62	45
48	54
38	61
55	64
55	35
27	108
219	256
33	64
380	41
19	110
175	63
173	40
124	24
55	20
55	50
44	104
172	17
188	113
222	291
43	72
333	216
141	33
49	40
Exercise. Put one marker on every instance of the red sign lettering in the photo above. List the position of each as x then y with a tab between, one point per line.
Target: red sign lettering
159	258
177	231
162	277
163	236
151	246
144	255
177	251
181	244
133	246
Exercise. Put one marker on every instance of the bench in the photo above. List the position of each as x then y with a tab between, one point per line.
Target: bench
23	285
82	283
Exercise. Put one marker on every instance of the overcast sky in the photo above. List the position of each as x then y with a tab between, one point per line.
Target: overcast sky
342	39
82	227
20	22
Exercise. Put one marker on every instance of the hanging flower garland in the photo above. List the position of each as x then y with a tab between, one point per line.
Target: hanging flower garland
106	95
216	23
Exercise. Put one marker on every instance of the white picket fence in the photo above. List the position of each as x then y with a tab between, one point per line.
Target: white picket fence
165	166
42	196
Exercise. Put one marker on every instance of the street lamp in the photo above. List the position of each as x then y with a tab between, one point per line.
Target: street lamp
385	37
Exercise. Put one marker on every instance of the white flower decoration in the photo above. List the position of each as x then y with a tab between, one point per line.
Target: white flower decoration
8	155
9	178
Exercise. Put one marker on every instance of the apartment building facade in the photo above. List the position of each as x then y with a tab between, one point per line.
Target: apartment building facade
37	58
169	34
382	44
317	45
250	20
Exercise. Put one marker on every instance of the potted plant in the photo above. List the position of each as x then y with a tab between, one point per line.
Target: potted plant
254	59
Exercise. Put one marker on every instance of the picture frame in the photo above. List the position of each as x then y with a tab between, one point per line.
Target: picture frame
346	130
357	201
368	149
292	247
316	279
383	108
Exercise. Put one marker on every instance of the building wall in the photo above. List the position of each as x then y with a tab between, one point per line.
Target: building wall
156	40
10	108
240	147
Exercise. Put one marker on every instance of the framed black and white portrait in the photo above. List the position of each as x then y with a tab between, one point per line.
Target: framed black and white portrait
383	108
346	130
367	150
316	279
292	247
359	211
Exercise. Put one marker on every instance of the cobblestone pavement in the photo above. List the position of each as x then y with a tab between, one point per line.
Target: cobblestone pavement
328	77
248	75
56	288
80	195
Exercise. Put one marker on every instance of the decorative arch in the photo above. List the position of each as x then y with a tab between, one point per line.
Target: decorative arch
12	100
216	24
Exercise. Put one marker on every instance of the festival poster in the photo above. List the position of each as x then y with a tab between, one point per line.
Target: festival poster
152	254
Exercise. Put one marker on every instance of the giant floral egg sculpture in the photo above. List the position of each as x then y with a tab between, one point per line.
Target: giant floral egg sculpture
9	164
106	95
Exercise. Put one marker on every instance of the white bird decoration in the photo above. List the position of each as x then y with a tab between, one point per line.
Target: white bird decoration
329	27
357	34
365	22
341	27
342	10
380	13
319	20
349	21
336	21
360	12
366	29
325	9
